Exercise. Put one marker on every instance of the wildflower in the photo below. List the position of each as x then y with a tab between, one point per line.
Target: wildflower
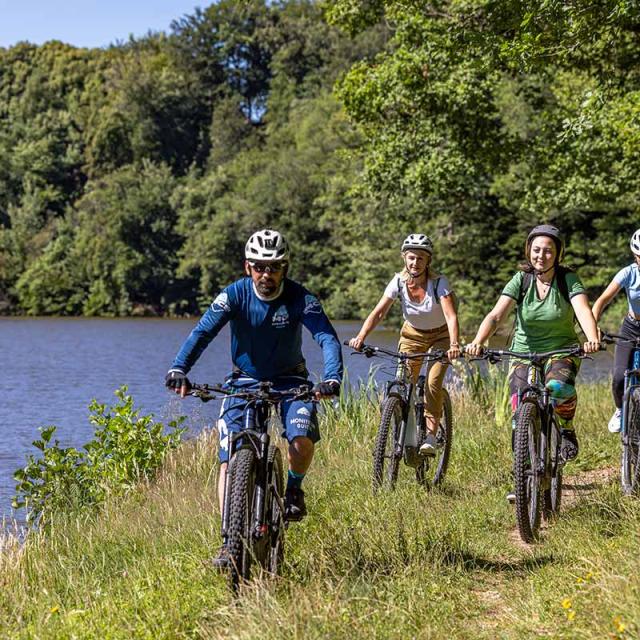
571	615
566	603
619	625
54	609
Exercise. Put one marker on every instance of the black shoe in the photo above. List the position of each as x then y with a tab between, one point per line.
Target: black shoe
294	506
568	444
221	561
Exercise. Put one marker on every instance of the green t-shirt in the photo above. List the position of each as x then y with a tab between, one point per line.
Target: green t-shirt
544	325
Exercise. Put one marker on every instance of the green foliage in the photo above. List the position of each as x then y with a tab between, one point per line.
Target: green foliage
126	449
131	177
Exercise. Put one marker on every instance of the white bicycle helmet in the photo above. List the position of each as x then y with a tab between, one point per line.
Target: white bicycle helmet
267	245
635	242
417	241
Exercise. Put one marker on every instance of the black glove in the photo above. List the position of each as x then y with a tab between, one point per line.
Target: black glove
176	380
330	388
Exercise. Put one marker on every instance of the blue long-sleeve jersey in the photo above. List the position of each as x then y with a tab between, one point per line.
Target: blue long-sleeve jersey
266	336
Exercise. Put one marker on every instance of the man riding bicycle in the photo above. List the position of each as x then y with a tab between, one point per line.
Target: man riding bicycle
266	312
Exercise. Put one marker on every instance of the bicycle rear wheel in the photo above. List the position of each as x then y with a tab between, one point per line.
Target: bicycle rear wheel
241	497
386	456
526	460
630	475
431	471
275	511
552	497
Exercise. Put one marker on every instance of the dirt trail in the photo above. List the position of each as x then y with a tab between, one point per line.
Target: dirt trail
585	484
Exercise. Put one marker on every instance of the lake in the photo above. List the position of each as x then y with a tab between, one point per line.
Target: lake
55	366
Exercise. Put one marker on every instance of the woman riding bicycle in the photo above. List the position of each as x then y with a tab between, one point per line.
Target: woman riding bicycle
629	280
430	321
546	296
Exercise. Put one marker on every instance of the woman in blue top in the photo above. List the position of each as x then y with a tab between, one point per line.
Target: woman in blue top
629	280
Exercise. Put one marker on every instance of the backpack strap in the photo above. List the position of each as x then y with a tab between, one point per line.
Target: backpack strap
561	277
563	287
436	295
525	283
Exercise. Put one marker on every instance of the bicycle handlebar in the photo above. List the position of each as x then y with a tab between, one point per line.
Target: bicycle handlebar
496	355
369	351
614	338
265	393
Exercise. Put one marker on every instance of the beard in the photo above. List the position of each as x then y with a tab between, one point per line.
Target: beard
266	288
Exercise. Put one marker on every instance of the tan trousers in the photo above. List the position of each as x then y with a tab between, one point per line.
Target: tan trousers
414	340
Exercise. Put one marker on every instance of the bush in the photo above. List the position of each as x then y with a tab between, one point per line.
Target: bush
126	448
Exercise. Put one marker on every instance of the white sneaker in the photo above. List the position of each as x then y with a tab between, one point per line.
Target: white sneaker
428	446
615	423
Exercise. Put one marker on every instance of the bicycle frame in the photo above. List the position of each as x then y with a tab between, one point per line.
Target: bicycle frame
537	392
410	396
631	382
402	387
255	432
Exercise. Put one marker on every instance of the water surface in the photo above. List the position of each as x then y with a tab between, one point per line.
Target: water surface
53	367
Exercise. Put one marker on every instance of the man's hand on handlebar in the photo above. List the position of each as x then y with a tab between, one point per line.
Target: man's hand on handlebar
178	382
356	343
326	389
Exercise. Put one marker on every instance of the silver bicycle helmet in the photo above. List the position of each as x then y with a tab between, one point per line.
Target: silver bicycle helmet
417	241
635	242
267	245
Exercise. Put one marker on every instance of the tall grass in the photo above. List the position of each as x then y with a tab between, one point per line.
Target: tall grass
439	564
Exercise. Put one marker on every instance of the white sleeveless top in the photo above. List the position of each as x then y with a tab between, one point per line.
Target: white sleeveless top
423	315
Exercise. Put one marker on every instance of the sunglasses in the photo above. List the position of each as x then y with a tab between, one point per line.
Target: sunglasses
270	267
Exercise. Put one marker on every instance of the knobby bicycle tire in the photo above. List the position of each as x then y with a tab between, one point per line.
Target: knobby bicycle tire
630	475
275	512
385	460
241	497
525	463
431	471
552	497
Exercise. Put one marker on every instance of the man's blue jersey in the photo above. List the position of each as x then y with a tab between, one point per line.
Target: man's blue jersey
266	336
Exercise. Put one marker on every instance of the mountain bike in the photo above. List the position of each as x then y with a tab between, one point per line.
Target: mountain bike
403	425
537	460
253	525
630	419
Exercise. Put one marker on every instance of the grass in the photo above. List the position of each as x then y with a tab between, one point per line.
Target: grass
408	564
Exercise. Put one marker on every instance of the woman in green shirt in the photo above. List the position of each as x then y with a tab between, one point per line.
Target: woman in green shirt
546	296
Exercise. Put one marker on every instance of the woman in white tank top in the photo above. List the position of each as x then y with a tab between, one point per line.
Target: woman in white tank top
430	320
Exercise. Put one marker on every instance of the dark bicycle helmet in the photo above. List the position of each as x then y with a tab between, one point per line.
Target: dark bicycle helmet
549	231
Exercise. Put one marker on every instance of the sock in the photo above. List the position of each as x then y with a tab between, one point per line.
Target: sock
294	480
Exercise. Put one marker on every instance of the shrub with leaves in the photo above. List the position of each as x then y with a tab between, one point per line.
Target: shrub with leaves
126	448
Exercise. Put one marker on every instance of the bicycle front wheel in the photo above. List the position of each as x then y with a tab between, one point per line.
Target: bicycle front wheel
526	461
631	445
431	471
387	450
275	511
242	471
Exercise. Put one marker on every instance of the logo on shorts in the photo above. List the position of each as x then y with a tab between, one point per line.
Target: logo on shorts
303	411
312	305
221	303
280	318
